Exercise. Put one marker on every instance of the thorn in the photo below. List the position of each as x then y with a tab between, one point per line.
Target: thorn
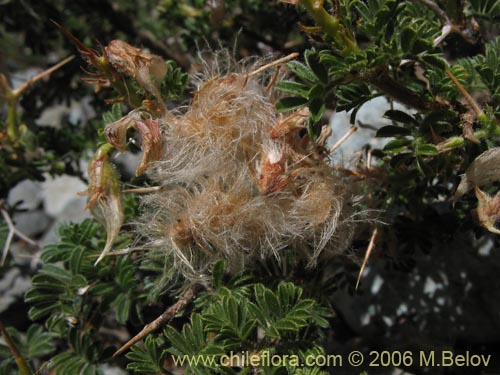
73	38
368	159
273	80
167	315
371	245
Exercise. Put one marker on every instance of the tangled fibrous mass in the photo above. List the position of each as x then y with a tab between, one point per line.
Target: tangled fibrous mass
242	183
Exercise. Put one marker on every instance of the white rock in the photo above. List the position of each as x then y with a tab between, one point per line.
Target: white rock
77	111
13	285
27	191
368	120
31	223
109	370
73	212
59	191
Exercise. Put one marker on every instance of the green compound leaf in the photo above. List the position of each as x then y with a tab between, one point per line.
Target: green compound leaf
147	358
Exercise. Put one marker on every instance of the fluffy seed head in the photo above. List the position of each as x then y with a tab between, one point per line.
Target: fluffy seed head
241	183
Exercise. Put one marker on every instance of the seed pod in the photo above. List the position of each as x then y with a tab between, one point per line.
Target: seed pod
104	198
483	170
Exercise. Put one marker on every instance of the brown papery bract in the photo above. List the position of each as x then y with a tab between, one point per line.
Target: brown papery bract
241	183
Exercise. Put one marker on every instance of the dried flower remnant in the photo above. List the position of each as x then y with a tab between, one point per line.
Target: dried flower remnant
116	132
149	131
104	197
117	64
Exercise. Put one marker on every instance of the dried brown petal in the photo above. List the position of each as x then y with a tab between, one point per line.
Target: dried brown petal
151	143
483	170
150	76
116	132
149	130
488	210
104	198
123	57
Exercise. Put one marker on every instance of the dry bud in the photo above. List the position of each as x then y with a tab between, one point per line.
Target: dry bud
147	69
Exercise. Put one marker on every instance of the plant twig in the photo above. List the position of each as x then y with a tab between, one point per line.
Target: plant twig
12	96
371	245
449	27
10	236
167	315
20	361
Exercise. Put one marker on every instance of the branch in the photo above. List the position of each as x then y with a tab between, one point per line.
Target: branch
331	25
380	78
167	315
